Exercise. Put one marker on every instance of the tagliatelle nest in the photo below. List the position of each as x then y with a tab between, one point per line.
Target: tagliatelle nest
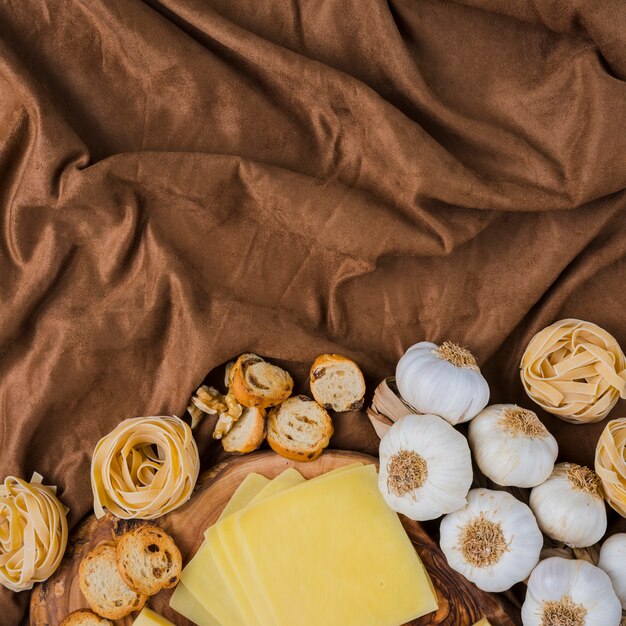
144	468
575	370
33	532
610	464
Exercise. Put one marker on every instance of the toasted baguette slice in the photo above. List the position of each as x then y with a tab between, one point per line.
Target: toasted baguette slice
227	368
85	618
247	433
148	559
299	429
337	383
255	382
103	587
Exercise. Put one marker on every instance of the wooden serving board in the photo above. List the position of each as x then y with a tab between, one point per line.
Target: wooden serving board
460	602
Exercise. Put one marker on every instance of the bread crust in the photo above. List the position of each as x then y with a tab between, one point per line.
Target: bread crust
244	389
152	545
231	441
305	408
83	617
318	371
135	601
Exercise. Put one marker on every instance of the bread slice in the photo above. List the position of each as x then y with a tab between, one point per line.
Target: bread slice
337	383
103	587
85	618
148	559
247	433
299	429
255	382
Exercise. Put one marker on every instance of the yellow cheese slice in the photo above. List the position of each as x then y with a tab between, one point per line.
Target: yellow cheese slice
147	617
328	552
285	480
251	485
218	560
289	478
203	564
202	576
483	622
185	603
229	568
259	613
182	600
205	577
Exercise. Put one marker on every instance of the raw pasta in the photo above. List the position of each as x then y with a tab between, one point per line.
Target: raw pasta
575	370
611	464
33	532
144	468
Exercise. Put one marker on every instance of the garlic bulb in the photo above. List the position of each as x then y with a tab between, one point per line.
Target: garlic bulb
571	593
511	446
613	562
569	506
425	467
493	541
444	380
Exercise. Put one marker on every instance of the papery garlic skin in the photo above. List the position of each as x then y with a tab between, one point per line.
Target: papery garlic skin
514	541
511	446
567	512
438	456
576	583
613	562
434	384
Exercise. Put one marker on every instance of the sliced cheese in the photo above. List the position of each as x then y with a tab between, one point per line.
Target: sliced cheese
221	566
328	552
182	600
285	480
483	622
147	617
257	611
203	576
251	485
185	603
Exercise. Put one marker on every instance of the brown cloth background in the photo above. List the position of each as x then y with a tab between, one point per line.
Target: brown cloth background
184	180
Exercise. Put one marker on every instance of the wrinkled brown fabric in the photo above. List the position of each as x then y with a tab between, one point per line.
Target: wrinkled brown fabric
184	180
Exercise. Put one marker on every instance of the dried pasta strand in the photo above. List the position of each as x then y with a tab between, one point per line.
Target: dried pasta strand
611	464
33	532
574	370
144	468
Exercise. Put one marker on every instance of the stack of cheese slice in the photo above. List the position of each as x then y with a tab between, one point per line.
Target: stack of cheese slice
290	551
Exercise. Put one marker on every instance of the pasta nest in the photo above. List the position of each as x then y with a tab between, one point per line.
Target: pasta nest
575	370
144	468
33	532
